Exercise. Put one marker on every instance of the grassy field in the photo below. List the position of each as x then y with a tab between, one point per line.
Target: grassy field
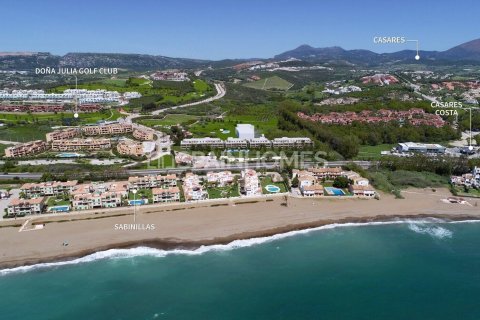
53	201
223	192
212	128
200	86
24	133
267	180
271	83
167	161
158	92
141	194
373	152
169	120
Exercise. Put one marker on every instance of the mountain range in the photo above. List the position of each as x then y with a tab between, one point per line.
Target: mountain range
468	52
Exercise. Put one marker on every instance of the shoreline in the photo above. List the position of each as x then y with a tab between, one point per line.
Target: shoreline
187	229
191	246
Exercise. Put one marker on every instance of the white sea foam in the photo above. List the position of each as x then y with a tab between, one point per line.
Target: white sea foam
434	231
420	226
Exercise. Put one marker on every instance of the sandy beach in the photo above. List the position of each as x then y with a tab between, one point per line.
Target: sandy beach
192	225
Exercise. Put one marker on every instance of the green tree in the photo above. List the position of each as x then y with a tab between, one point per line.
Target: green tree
341	182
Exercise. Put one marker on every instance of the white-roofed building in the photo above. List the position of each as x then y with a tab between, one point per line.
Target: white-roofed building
245	131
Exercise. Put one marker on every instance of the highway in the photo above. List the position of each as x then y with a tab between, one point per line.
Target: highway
232	167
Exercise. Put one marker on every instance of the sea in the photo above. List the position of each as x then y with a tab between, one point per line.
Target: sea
426	269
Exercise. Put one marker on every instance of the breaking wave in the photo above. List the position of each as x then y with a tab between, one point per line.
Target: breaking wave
434	231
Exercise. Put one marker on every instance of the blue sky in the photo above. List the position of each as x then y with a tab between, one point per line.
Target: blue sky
217	29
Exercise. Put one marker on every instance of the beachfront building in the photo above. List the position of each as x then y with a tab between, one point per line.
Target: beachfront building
362	191
308	184
170	194
221	178
143	134
152	181
413	147
99	195
50	188
26	149
202	143
250	183
107	129
63	134
313	191
193	189
295	143
245	131
327	173
77	144
25	207
469	180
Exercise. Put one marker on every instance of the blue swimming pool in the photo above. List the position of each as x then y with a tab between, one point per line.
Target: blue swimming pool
334	191
64	208
69	155
272	189
137	202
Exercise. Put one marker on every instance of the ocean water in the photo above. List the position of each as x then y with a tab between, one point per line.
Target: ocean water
411	270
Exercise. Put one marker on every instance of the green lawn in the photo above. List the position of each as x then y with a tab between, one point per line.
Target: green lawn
223	192
212	128
167	161
373	152
141	194
267	180
200	86
271	83
24	133
169	120
53	201
158	92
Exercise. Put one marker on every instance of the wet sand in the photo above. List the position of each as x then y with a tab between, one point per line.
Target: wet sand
193	225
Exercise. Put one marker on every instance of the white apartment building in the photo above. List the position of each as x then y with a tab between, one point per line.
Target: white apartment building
152	181
50	188
170	194
260	142
220	178
236	143
25	207
202	142
193	189
99	195
250	183
70	95
286	142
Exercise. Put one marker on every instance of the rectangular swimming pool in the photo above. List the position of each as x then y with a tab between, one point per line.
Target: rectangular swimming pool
334	191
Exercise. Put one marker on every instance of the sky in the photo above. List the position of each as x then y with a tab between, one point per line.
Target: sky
219	29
